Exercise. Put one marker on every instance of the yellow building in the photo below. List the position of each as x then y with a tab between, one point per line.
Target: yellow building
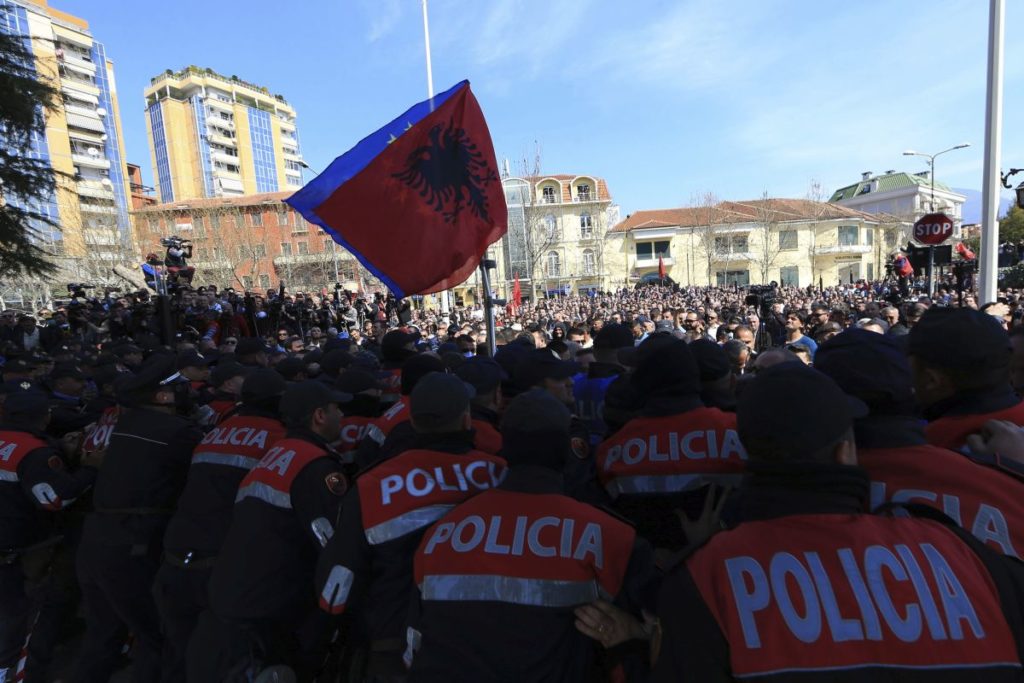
794	242
83	141
217	136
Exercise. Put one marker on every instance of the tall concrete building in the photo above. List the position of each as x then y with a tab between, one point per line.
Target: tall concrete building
218	136
83	142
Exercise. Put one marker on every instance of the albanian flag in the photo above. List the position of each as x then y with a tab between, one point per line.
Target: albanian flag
418	201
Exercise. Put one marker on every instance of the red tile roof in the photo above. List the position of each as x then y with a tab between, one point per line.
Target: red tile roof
565	181
739	212
213	202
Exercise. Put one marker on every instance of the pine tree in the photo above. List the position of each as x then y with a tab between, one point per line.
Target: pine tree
25	182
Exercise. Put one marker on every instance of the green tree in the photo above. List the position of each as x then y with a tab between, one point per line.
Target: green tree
26	183
1011	227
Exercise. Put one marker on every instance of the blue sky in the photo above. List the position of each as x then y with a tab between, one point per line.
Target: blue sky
666	100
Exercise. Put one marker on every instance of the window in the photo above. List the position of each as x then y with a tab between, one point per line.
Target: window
739	278
247	281
788	240
552	230
589	262
871	271
869	239
328	243
286	248
583	192
303	247
731	244
547	195
586	227
789	276
300	224
264	281
652	250
849	273
554	264
154	225
282	216
259	250
218	253
256	218
214	222
848	235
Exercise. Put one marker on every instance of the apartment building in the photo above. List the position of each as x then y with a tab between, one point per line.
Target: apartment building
83	142
219	136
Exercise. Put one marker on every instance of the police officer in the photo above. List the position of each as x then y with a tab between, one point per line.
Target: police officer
359	413
392	432
808	587
485	376
666	457
396	347
262	612
226	379
960	359
366	569
902	465
516	560
33	478
589	389
67	411
144	471
196	532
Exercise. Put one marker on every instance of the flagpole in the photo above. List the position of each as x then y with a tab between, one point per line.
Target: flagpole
444	295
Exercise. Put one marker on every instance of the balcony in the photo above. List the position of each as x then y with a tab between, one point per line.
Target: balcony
224	158
78	81
218	103
221	139
81	110
734	256
581	197
303	259
549	199
89	137
74	62
840	249
92	123
90	207
98	189
90	160
293	171
218	122
649	262
289	156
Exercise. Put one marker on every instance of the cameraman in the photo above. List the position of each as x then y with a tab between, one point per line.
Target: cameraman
177	251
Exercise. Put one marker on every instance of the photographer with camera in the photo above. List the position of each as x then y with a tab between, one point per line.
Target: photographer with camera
178	250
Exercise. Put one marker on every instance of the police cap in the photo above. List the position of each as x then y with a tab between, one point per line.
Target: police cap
333	361
301	399
190	358
712	361
19	365
66	370
535	430
262	383
438	399
482	373
417	367
227	369
290	368
867	365
665	365
356	381
248	346
792	412
959	338
541	364
26	404
159	370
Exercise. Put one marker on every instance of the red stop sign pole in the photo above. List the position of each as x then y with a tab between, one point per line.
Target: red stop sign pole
933	229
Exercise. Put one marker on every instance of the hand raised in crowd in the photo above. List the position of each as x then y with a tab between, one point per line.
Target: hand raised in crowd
999	437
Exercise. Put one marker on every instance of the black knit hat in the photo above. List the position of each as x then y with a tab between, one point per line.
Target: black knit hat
535	431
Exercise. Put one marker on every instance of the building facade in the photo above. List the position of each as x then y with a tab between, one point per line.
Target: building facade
142	195
83	142
794	242
906	196
217	136
252	242
557	229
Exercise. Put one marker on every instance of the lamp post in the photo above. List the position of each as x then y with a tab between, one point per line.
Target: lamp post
931	203
334	246
1019	190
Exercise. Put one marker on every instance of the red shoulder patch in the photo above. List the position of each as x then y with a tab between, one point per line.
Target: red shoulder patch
336	483
580	447
55	463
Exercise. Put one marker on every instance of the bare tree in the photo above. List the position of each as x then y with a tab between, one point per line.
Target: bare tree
709	216
816	194
766	226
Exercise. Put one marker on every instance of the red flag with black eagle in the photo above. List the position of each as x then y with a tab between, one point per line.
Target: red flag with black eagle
417	202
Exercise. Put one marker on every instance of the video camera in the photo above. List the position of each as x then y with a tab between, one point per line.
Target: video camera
762	296
77	289
173	241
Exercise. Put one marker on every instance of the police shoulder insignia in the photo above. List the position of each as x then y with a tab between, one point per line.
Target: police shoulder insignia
336	483
580	447
55	463
26	385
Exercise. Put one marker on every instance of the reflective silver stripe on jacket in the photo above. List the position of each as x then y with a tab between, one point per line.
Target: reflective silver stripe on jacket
8	476
239	461
374	433
401	525
266	493
520	591
666	483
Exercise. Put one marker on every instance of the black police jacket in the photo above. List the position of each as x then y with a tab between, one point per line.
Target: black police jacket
286	510
143	474
808	587
227	453
33	482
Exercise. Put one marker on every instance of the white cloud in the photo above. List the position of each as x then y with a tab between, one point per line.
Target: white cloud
384	16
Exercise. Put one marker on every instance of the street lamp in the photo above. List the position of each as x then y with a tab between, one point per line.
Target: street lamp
931	207
1019	191
931	163
334	247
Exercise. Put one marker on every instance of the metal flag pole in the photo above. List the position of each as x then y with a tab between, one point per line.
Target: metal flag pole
444	294
988	260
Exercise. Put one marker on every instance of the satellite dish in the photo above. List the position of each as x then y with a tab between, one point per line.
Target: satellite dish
101	111
93	152
106	181
103	137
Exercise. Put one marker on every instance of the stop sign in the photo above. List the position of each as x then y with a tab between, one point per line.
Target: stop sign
934	228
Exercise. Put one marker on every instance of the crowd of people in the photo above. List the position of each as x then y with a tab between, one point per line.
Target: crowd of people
659	483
